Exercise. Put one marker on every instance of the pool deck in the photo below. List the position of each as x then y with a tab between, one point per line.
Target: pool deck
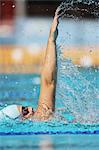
20	59
80	54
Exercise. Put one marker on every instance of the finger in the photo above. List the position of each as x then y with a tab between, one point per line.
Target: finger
58	11
61	14
61	7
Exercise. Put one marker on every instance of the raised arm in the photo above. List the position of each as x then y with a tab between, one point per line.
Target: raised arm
48	76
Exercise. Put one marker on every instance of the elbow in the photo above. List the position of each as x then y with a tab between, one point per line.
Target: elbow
47	79
50	84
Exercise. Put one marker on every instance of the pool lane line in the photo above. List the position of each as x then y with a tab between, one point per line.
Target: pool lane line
48	133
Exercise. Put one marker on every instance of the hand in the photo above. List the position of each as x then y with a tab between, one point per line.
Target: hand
59	13
55	22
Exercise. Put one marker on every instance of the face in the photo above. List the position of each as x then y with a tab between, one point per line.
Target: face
33	111
27	112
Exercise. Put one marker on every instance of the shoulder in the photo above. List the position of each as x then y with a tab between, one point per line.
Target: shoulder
43	112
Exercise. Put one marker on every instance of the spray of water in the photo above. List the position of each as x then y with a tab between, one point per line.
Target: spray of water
79	8
74	91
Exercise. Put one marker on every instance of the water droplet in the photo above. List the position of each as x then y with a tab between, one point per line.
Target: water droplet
11	129
96	70
13	6
90	51
3	4
98	96
34	89
6	77
6	105
16	83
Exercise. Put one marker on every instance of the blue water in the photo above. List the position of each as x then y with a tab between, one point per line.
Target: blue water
50	142
24	89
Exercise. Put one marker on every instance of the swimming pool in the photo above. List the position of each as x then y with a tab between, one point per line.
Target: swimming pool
50	142
24	89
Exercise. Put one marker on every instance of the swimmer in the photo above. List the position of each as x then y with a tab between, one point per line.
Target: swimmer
46	103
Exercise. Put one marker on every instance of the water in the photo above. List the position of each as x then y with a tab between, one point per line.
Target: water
10	93
51	142
78	94
79	8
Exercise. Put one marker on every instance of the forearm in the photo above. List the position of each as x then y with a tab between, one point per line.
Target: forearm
50	59
49	68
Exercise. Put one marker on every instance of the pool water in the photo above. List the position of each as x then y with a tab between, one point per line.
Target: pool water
24	89
50	142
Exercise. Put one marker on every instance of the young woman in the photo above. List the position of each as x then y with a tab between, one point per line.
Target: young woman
46	104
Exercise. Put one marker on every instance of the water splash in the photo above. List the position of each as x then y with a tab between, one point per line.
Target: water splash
79	8
75	93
